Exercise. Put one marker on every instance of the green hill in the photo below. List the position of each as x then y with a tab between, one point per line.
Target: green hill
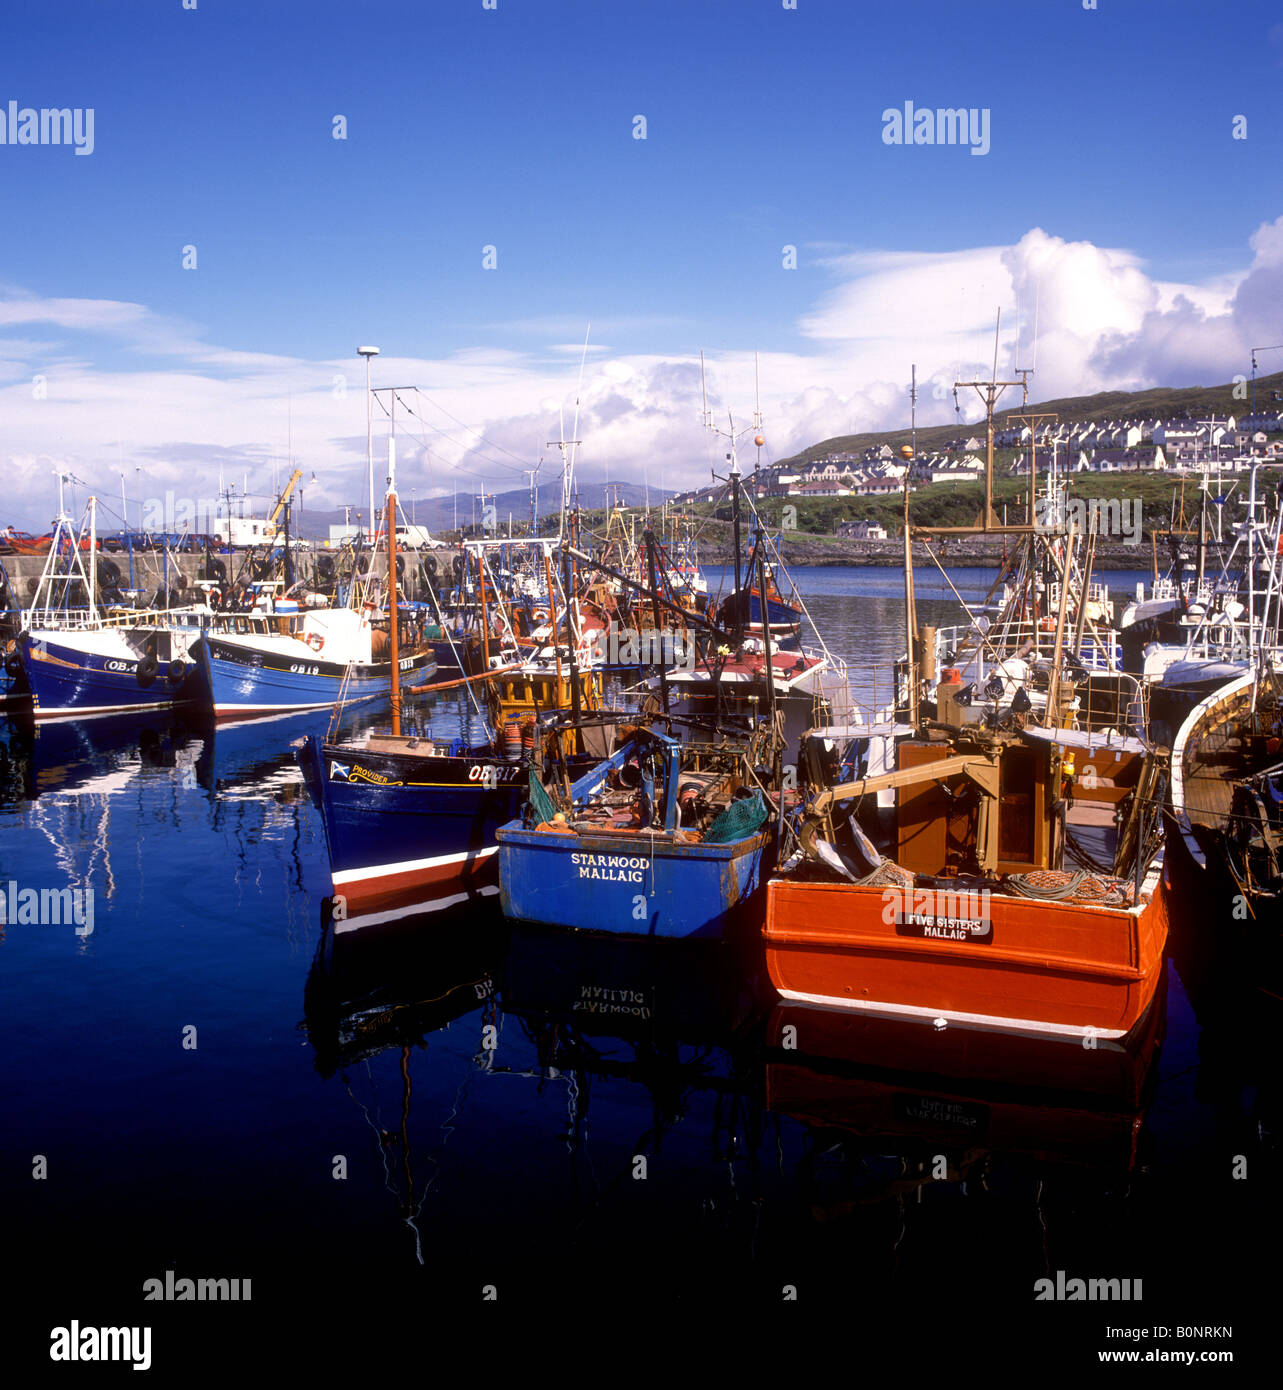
1164	402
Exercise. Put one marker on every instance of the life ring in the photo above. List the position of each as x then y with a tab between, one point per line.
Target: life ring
315	641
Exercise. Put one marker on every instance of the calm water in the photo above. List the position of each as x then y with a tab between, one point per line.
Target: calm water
377	1127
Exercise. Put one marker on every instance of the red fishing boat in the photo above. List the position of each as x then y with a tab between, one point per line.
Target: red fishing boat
1012	888
1002	867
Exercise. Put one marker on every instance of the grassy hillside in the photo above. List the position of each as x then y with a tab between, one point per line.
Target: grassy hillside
1161	497
1165	402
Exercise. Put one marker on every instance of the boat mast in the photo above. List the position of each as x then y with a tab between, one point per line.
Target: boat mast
389	515
654	589
93	557
735	511
367	353
910	613
770	677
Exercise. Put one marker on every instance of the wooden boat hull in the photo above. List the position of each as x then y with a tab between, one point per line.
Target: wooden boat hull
633	884
69	680
401	829
243	680
1044	967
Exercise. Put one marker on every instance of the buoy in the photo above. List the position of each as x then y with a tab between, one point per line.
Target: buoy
512	739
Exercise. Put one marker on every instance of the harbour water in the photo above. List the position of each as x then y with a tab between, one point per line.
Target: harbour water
429	1116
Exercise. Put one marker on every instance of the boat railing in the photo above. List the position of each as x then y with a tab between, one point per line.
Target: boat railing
1101	648
81	620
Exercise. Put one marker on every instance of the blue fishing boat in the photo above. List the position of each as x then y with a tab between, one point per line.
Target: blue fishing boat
80	658
110	669
267	662
743	609
664	838
411	819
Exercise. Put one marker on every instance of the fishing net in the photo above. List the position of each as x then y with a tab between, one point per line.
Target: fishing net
542	806
888	874
738	821
1071	886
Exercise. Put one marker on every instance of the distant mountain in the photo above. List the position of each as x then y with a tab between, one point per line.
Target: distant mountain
439	513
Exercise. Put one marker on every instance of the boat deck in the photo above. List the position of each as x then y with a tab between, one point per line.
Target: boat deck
1209	789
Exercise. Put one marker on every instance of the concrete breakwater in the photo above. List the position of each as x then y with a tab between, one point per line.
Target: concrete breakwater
316	569
800	549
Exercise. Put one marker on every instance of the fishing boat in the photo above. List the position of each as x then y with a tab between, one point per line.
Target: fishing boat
294	654
1016	880
1225	833
666	837
1230	626
674	832
985	895
412	818
759	605
81	661
263	663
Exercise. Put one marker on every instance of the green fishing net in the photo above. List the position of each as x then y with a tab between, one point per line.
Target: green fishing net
542	806
740	820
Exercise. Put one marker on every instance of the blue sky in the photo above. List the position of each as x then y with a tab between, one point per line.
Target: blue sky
1110	130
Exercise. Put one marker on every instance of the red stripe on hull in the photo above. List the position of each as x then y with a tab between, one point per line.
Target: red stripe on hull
385	892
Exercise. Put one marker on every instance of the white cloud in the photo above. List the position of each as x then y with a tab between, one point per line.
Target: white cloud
1104	323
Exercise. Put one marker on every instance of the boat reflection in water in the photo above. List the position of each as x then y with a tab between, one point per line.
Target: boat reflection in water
390	982
960	1165
95	756
589	1058
964	1091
